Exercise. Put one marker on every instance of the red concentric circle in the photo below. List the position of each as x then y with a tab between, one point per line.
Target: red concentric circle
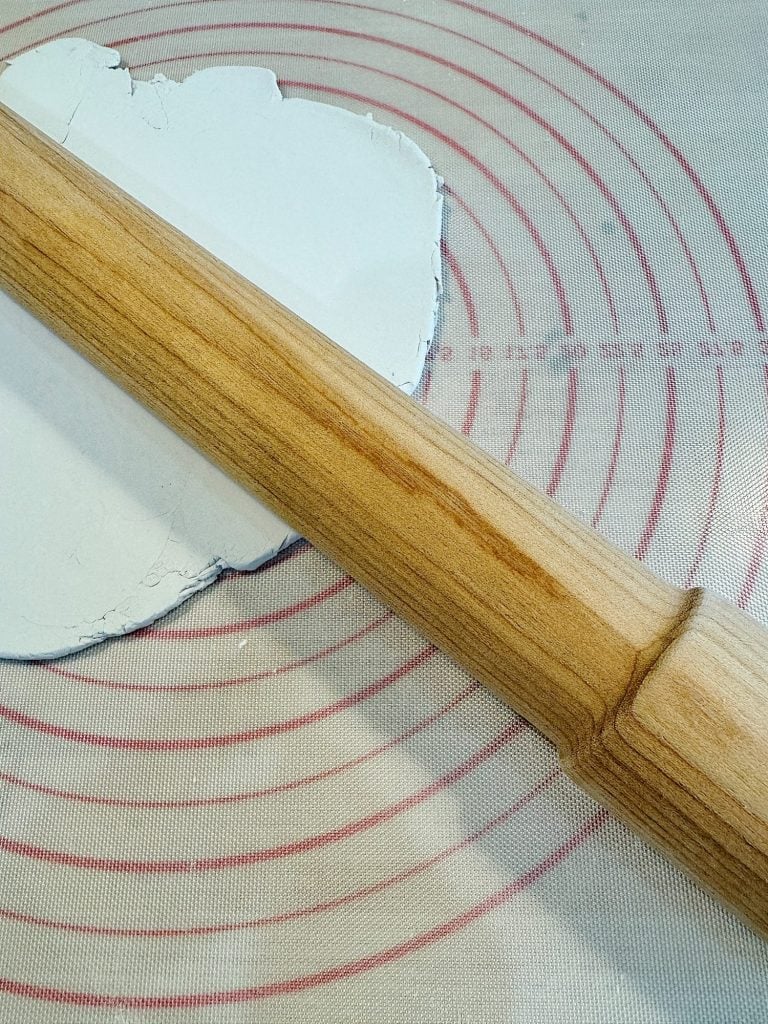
281	756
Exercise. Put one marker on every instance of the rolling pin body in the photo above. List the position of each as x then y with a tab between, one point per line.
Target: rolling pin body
657	699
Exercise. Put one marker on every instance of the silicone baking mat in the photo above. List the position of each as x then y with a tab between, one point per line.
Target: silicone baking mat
281	804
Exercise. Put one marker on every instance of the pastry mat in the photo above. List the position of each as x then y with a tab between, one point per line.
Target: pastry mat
281	804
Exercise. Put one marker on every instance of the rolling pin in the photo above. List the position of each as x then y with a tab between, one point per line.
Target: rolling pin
656	698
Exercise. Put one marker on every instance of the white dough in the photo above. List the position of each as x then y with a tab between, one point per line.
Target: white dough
107	520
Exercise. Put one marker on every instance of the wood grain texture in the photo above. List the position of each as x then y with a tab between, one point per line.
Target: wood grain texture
656	699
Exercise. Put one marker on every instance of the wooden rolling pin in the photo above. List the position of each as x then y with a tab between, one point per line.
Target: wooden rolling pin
657	699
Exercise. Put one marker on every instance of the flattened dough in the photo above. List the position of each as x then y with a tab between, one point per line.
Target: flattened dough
109	520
